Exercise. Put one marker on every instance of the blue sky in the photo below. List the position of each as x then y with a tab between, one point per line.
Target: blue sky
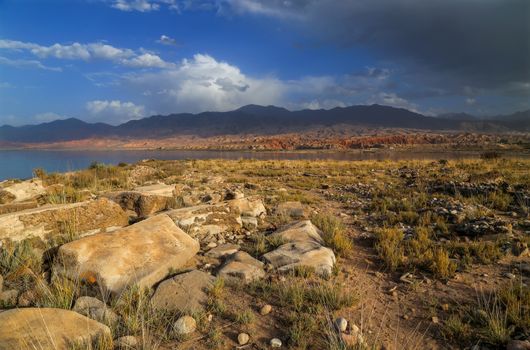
116	60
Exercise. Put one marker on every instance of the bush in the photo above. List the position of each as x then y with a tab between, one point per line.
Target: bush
389	247
334	233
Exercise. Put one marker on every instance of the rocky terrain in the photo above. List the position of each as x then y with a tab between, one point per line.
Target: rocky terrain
268	254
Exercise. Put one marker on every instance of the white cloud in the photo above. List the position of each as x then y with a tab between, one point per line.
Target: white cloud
27	64
147	60
203	83
86	52
166	40
391	99
143	5
114	111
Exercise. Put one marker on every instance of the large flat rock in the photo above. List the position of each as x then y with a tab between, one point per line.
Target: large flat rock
242	266
53	329
46	221
184	293
291	255
157	189
142	254
302	231
25	190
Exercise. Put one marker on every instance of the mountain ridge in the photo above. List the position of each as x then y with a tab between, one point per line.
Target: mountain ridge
260	120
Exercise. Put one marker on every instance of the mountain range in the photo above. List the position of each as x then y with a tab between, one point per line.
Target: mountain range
261	120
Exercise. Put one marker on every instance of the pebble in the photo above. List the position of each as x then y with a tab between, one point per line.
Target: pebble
265	310
276	343
509	275
212	245
243	338
341	324
445	307
185	325
435	319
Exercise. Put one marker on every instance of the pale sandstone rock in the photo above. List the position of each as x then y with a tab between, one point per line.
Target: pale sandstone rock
184	293
142	254
53	329
157	189
25	190
288	256
302	231
46	221
248	207
222	250
242	266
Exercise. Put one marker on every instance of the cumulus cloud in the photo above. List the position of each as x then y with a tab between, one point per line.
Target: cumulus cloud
166	40
86	52
114	111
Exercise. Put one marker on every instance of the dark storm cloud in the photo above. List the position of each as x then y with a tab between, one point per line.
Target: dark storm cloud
479	43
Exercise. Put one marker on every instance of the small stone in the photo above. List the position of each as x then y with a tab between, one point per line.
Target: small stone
185	325
127	342
341	324
445	307
209	317
406	317
265	310
243	338
211	245
276	343
509	275
435	319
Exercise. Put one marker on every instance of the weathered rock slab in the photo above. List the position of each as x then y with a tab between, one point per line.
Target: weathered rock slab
184	293
302	231
44	329
242	266
288	256
141	254
46	221
222	250
25	190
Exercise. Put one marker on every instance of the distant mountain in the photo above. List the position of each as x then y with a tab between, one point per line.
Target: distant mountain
260	120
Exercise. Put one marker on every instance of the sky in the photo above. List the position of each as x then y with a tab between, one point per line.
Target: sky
116	60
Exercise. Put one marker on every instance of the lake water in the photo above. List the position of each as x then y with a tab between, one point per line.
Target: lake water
20	163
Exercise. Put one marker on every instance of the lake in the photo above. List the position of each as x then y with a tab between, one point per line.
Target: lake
20	163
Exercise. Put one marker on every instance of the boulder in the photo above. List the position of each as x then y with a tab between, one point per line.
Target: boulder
288	256
142	254
53	329
248	207
142	203
185	325
302	231
23	191
95	309
184	293
294	210
242	266
46	221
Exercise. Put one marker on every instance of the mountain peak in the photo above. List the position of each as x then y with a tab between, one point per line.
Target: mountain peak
258	109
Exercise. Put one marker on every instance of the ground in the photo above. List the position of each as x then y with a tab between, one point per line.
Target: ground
430	254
